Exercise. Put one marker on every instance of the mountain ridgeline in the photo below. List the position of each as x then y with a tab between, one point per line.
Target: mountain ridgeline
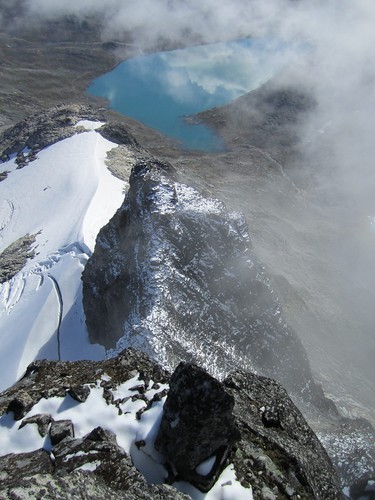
174	274
175	277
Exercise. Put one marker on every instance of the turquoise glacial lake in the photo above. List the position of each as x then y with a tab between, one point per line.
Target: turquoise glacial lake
162	89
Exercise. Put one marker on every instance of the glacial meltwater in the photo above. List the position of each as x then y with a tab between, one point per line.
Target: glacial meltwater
161	90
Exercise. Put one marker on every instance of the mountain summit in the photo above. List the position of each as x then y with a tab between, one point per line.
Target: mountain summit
174	274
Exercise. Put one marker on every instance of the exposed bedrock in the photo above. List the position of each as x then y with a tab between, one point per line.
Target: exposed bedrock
15	256
247	421
174	274
29	136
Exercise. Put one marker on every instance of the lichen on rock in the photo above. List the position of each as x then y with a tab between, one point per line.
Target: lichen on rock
206	426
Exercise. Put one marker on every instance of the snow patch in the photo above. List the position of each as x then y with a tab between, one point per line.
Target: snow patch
227	487
205	467
89	125
191	200
90	466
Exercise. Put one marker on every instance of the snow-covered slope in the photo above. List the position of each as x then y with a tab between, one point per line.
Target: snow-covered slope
63	197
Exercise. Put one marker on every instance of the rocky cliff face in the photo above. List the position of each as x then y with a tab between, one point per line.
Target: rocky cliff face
174	274
84	425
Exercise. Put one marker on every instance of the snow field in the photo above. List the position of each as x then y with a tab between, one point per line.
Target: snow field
65	196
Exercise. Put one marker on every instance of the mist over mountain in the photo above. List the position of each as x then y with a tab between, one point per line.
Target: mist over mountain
298	163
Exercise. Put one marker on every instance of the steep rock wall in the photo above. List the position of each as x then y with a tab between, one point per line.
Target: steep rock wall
174	274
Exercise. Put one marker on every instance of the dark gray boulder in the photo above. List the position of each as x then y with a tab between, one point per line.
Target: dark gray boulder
197	424
60	430
79	393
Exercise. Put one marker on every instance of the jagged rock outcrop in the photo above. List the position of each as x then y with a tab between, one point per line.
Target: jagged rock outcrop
276	442
14	257
174	274
92	466
75	473
38	131
47	379
271	447
29	136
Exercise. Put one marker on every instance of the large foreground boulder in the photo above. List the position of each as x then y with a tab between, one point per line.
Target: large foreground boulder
248	420
197	425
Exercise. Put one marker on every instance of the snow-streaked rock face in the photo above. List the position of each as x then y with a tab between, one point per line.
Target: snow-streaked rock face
174	274
58	199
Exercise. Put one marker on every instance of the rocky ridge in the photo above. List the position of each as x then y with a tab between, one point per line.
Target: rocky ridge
153	250
267	118
271	447
174	274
